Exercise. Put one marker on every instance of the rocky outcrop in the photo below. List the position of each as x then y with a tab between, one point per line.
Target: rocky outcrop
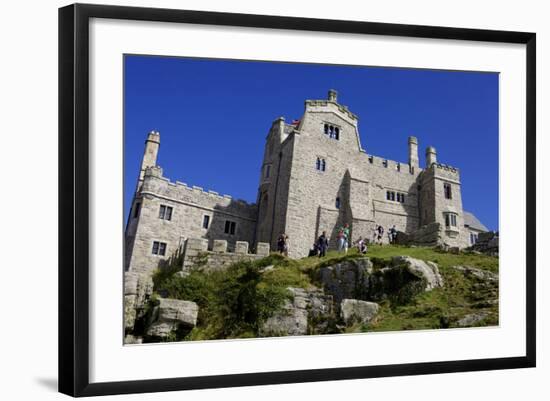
356	311
308	312
348	279
401	279
472	319
138	288
480	274
427	271
171	315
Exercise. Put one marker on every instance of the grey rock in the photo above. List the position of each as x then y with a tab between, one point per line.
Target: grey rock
348	279
296	317
357	311
472	319
130	339
138	288
421	269
480	274
170	315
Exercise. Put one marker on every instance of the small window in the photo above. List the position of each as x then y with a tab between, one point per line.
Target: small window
398	166
267	170
392	196
473	238
159	248
450	220
385	163
165	212
205	221
230	227
321	164
371	159
331	131
447	190
137	207
337	203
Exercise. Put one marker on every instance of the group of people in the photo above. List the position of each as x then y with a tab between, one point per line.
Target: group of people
378	234
320	246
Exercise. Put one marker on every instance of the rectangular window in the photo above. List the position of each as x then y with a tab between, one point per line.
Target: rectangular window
392	196
205	221
387	195
447	190
267	170
136	209
159	248
450	220
165	212
230	227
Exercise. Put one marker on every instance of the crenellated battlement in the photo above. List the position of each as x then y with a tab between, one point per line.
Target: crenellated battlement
446	167
390	165
328	103
197	253
156	172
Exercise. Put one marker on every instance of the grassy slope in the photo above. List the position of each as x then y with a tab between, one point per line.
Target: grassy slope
234	302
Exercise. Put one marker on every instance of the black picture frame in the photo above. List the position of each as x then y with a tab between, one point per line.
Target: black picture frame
74	194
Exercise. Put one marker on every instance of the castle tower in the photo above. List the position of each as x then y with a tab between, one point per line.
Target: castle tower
413	152
431	156
152	144
273	185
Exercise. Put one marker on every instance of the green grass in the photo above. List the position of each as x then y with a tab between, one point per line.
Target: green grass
233	303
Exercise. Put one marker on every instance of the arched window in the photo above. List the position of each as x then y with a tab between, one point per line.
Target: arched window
336	133
318	164
323	165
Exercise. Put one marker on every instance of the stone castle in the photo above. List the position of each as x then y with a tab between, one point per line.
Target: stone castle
315	176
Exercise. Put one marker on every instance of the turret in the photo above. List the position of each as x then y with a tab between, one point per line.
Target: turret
152	144
413	153
333	96
431	156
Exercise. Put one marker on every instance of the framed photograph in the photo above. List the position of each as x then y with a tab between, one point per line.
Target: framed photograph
251	199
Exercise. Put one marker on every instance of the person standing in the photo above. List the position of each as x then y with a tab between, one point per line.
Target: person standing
393	234
322	244
343	237
375	234
346	238
286	245
380	234
281	244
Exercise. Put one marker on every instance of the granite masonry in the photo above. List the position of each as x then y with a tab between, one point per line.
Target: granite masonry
315	176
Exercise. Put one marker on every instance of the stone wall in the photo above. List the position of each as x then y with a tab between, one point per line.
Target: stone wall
428	235
196	254
364	192
189	206
487	243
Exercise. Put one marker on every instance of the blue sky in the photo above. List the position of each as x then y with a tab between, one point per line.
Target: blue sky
214	115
